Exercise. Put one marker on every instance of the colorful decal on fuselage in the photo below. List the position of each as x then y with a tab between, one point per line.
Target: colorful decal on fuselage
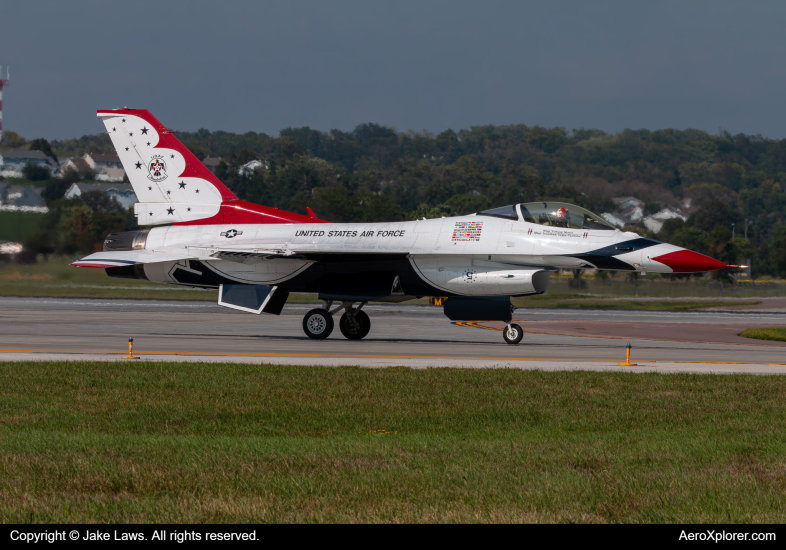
467	231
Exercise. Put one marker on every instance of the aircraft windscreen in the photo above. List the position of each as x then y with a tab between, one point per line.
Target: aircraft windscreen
507	212
560	214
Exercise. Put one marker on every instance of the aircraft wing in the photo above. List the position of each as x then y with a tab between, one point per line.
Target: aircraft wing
237	254
130	257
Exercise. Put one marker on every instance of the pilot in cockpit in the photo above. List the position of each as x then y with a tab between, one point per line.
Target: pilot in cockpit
560	217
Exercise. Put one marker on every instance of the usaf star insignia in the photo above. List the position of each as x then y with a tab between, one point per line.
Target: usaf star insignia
139	165
144	130
182	185
231	233
170	211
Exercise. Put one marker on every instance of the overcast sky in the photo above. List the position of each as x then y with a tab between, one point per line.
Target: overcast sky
264	66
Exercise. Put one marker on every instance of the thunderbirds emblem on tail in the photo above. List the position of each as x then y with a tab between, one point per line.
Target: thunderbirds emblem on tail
157	169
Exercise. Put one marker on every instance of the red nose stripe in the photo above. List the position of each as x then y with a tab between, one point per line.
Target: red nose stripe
687	261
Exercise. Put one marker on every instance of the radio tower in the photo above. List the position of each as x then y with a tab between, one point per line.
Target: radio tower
3	83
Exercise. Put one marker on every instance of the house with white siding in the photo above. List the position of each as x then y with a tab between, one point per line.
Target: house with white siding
21	197
106	167
122	192
13	161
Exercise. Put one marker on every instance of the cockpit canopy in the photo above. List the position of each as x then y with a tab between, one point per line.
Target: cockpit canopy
553	214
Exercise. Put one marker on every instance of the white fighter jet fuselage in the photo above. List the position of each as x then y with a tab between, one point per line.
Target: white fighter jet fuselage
257	255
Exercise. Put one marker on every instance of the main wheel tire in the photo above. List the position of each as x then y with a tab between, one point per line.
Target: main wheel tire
318	324
512	334
357	328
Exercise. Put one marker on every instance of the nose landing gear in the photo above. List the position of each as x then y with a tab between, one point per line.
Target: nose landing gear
512	333
354	324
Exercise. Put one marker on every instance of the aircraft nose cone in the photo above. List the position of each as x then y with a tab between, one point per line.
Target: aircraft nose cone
687	261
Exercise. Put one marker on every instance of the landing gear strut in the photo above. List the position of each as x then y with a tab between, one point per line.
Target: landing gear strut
354	323
512	333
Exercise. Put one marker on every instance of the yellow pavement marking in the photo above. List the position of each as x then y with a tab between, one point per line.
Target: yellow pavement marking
379	356
474	324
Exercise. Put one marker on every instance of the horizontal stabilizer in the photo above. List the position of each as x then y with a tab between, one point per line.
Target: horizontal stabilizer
129	257
156	213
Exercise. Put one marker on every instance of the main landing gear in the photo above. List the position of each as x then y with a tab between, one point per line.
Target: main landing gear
354	323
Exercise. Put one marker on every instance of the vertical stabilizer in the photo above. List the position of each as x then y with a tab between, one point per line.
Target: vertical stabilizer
171	183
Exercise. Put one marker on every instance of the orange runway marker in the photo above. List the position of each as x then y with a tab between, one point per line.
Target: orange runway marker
130	350
627	362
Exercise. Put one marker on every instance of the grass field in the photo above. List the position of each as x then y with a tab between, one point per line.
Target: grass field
18	226
766	333
141	442
58	278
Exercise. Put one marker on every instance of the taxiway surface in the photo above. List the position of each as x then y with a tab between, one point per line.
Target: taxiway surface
410	335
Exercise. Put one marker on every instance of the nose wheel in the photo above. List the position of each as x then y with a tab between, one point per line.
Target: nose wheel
512	334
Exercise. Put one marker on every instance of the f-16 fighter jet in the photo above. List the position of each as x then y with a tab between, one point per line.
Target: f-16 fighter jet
204	236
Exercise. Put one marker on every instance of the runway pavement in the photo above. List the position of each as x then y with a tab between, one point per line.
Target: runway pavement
408	335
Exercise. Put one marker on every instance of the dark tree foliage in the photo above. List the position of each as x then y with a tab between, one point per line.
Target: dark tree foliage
79	225
35	172
713	214
13	140
55	189
76	147
42	145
